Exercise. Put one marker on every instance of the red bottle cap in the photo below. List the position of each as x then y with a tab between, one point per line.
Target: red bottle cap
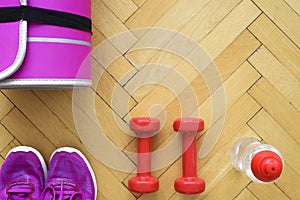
266	166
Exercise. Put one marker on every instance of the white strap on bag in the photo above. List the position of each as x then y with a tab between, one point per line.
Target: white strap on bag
19	58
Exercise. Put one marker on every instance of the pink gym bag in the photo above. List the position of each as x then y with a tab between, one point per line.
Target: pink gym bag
43	43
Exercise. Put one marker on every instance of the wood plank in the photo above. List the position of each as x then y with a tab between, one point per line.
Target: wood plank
107	184
236	117
97	37
235	86
110	125
243	19
64	112
197	27
1	161
108	24
243	78
5	107
245	194
113	94
109	89
231	128
63	109
186	9
227	62
273	134
11	145
24	100
120	69
100	196
294	4
283	16
27	133
277	106
246	71
149	13
139	2
270	191
5	137
237	182
208	18
155	73
279	76
197	17
236	54
289	182
230	28
275	40
123	9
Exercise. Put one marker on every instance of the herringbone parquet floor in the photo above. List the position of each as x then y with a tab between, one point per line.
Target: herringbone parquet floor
255	46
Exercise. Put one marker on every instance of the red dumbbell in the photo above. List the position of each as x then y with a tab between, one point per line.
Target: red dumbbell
144	182
189	183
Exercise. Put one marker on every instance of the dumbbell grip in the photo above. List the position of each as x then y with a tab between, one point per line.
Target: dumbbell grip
144	157
189	160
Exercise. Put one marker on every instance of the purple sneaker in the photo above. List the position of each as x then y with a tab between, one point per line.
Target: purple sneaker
70	176
22	174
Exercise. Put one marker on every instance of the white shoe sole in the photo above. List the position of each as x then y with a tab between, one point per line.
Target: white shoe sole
73	150
33	150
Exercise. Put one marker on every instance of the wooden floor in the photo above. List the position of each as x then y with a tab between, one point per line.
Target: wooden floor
255	46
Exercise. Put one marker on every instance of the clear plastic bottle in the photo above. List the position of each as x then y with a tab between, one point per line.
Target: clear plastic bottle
261	162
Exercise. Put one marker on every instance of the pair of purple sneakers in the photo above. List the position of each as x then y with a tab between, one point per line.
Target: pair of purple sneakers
69	176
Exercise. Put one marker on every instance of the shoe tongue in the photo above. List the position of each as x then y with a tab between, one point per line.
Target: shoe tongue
65	187
20	191
63	191
20	197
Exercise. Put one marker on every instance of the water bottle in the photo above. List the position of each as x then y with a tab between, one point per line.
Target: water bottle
261	162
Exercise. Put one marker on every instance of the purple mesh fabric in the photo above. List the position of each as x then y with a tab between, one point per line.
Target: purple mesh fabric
68	178
21	177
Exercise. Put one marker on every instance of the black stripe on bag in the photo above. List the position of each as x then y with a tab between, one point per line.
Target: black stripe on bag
45	16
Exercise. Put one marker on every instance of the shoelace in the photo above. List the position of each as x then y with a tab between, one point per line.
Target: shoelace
61	191
20	191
